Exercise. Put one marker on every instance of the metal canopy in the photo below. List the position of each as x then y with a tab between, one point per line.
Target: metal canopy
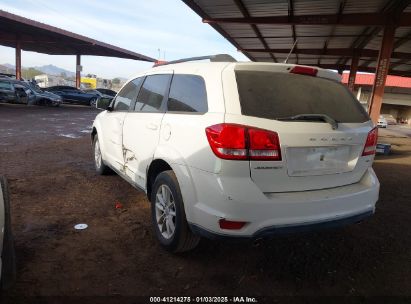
42	38
329	33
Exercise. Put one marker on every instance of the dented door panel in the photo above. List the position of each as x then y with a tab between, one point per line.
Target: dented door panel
141	133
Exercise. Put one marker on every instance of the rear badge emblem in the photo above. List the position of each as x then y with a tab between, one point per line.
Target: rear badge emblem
265	168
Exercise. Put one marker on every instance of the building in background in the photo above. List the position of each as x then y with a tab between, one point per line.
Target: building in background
397	95
91	81
45	80
88	82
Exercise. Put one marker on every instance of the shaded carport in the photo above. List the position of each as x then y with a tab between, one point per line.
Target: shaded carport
29	35
368	35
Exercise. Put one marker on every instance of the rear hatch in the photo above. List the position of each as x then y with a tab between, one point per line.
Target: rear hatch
321	127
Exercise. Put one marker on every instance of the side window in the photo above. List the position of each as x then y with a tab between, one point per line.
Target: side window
152	93
127	95
187	94
5	85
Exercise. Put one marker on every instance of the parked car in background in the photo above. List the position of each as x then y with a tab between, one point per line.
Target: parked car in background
43	98
7	253
100	93
389	119
25	92
7	75
15	91
7	91
74	95
107	92
382	122
235	150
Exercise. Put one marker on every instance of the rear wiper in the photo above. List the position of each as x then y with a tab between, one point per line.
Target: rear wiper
312	117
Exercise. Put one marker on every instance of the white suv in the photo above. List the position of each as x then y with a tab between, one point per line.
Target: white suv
242	150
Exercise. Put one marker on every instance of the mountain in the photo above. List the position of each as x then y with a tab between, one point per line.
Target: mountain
6	69
46	69
8	65
54	70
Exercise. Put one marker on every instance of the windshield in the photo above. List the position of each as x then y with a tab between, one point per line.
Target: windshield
35	87
279	95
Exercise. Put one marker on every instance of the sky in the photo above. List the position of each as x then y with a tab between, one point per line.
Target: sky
137	25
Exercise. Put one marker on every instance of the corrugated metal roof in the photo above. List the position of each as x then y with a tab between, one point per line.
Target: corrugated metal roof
363	6
259	8
315	24
42	38
314	7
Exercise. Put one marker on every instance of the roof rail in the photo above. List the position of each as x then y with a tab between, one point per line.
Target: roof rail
213	58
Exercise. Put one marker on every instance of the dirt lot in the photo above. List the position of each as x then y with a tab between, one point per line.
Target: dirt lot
46	155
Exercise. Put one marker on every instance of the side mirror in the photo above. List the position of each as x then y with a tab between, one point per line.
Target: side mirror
103	104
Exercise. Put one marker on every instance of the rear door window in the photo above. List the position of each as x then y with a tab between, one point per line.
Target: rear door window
187	94
152	93
281	95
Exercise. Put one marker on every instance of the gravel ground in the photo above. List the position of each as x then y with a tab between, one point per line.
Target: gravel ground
46	155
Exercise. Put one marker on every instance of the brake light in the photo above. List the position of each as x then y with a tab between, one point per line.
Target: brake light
371	142
232	141
304	70
231	225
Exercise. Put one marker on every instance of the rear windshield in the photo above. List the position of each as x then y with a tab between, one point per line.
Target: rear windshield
280	95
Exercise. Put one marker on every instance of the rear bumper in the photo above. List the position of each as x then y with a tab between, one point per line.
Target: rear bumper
285	229
239	199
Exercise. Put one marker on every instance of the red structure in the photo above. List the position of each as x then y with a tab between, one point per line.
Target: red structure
368	80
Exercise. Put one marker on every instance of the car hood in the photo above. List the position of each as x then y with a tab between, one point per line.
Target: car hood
105	96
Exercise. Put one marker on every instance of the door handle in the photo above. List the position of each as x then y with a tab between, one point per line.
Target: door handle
152	126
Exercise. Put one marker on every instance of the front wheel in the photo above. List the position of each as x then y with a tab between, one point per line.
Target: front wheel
168	215
99	165
93	102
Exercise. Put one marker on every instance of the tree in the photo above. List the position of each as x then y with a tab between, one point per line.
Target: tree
116	81
30	73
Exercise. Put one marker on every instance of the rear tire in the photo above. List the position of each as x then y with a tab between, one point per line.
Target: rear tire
168	215
99	165
8	255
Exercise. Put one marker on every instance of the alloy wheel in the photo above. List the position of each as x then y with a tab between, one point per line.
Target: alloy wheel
165	211
97	154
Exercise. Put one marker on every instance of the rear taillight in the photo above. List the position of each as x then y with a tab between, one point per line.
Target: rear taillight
304	70
371	142
227	141
232	141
